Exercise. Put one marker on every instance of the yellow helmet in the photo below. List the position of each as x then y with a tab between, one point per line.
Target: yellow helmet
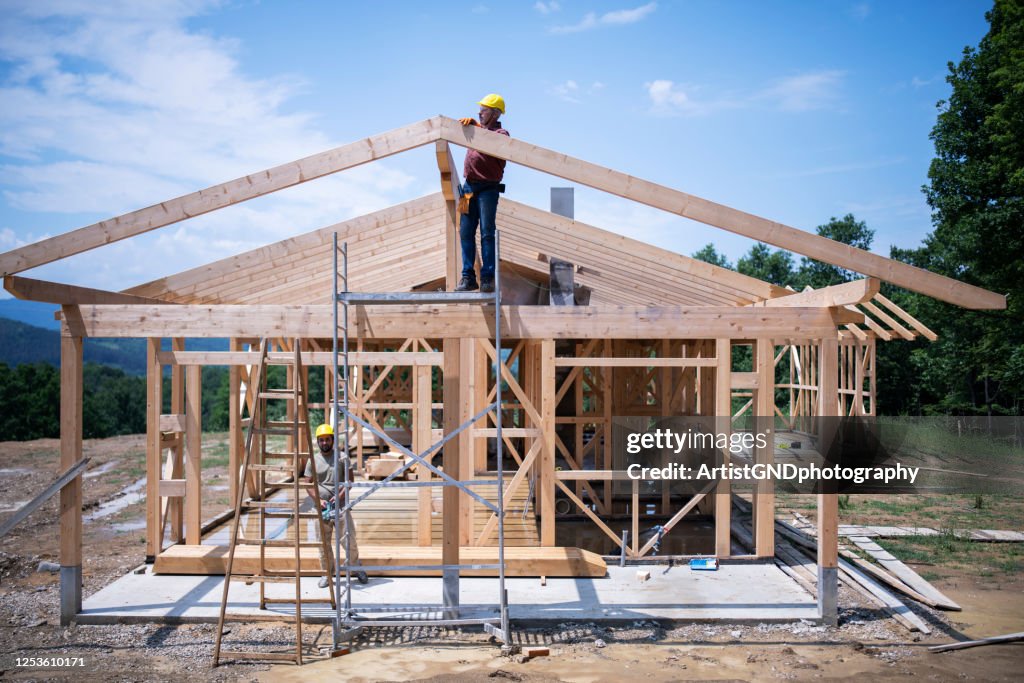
324	430
494	101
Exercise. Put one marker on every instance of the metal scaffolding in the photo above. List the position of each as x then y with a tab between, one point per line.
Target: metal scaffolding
348	622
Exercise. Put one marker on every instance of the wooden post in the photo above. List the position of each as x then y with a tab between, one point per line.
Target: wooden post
71	493
450	514
154	406
547	427
193	454
235	441
764	414
467	406
174	504
828	503
420	441
607	414
481	377
723	419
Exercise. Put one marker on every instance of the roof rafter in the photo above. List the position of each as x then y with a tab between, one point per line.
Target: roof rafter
721	216
219	196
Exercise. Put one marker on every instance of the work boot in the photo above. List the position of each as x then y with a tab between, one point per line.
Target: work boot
362	578
324	582
466	284
486	286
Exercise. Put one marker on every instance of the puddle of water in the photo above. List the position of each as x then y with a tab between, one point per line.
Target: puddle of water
7	471
11	507
129	495
101	469
133	525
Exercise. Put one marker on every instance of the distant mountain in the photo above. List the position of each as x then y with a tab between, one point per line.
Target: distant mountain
25	343
31	312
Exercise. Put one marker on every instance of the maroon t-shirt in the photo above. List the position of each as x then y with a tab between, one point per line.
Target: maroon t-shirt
482	168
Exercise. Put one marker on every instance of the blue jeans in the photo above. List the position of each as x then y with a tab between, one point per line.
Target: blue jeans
483	208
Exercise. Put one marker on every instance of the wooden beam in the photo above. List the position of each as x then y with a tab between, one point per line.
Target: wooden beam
460	321
154	407
450	463
219	196
71	493
907	318
721	216
193	454
29	289
546	494
596	362
723	425
847	293
828	503
309	358
451	191
764	414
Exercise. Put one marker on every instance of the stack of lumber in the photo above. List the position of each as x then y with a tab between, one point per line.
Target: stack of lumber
796	555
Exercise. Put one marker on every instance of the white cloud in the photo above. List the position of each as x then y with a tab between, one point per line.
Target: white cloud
614	18
571	91
109	107
567	91
805	92
860	11
547	7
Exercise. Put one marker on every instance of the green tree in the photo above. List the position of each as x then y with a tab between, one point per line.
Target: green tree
764	264
847	230
976	192
709	254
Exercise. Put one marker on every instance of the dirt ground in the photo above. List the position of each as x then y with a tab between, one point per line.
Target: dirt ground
986	581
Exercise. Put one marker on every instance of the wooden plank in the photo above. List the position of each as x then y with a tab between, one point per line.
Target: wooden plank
421	440
171	488
458	320
907	318
70	493
546	492
193	454
58	293
721	216
521	561
964	644
360	233
219	196
764	412
854	292
723	425
596	248
828	503
599	362
450	456
450	189
154	403
172	423
903	572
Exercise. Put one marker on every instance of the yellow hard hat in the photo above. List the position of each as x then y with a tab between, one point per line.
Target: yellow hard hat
324	430
494	101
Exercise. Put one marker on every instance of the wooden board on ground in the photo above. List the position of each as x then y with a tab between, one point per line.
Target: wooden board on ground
555	561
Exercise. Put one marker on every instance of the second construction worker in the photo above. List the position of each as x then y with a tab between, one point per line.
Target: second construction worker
479	203
324	460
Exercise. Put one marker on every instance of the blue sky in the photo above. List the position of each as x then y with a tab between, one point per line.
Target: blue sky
795	111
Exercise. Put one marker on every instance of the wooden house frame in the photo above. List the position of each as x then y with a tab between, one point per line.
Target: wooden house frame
656	338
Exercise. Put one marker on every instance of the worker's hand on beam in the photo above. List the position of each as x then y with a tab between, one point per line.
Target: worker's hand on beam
468	122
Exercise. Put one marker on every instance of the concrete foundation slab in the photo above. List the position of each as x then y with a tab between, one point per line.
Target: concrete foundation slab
735	593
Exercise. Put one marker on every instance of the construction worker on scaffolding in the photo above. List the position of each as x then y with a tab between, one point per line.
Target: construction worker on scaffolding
324	460
479	202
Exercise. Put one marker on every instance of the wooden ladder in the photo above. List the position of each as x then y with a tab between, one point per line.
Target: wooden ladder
259	465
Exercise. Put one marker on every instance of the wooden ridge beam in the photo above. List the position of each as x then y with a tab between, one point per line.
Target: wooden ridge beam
29	289
848	293
721	216
392	358
458	321
219	196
